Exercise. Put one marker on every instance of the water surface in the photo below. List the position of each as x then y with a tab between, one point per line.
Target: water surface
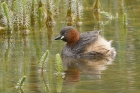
20	54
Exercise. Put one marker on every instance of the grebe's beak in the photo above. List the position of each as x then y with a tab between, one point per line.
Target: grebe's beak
59	37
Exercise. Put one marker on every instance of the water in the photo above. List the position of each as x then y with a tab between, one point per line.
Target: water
20	54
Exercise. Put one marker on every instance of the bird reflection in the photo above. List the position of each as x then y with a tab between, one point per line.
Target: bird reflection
89	68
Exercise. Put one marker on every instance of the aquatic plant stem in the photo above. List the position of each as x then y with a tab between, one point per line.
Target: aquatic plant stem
59	74
40	16
22	80
6	13
124	18
96	6
59	66
44	58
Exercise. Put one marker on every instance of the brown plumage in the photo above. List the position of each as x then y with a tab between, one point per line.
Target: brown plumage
89	44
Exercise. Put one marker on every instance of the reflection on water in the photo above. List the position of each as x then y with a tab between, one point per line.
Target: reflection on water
79	69
92	68
49	33
33	82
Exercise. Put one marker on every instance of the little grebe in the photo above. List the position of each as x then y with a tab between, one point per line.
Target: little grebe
88	44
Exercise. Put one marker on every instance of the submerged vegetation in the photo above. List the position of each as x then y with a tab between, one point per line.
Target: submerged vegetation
16	16
44	58
59	66
23	14
125	18
20	84
59	73
6	14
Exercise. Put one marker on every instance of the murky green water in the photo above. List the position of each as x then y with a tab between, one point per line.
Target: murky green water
20	54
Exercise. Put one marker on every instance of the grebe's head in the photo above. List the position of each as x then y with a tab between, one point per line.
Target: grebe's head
68	34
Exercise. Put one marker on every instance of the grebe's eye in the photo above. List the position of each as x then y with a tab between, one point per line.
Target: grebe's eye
65	34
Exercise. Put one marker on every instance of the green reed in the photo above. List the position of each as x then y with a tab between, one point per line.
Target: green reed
44	58
125	23
21	82
125	18
6	10
59	65
78	13
60	75
6	14
59	84
18	15
40	16
96	6
108	15
50	22
22	15
25	14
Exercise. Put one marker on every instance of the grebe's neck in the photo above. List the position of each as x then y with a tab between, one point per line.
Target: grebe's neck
73	37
